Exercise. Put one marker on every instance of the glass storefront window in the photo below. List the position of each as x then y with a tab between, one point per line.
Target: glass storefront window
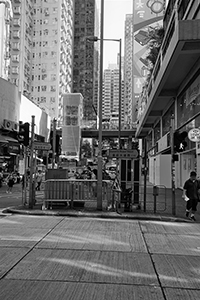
157	132
166	120
189	104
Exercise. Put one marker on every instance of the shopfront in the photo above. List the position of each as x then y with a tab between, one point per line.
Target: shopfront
188	117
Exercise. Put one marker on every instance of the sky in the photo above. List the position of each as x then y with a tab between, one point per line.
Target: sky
114	20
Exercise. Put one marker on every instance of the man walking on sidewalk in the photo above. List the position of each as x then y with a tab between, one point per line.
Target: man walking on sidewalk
191	195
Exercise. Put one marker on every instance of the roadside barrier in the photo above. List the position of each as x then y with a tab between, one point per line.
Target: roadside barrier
75	192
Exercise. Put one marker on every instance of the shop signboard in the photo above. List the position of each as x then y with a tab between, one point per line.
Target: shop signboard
194	135
42	146
124	154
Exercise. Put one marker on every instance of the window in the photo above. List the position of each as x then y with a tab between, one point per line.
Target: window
38	88
55	9
55	31
44	76
44	54
43	100
53	77
53	65
53	54
55	20
46	21
52	99
53	88
54	42
45	43
46	31
43	88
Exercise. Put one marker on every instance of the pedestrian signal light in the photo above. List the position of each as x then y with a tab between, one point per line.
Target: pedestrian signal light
179	141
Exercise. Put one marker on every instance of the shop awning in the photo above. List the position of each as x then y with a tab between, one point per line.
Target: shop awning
3	139
10	139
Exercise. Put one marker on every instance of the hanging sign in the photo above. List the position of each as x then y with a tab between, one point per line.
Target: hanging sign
194	135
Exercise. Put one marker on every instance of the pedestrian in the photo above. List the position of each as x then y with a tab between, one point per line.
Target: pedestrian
191	190
39	180
10	183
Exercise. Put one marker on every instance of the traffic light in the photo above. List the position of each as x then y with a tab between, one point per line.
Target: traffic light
179	141
24	133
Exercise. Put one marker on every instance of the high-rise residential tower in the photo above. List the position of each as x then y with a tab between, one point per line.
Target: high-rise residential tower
41	51
5	20
128	67
85	60
110	106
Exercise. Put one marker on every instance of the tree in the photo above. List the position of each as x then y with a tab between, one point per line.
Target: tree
86	149
155	41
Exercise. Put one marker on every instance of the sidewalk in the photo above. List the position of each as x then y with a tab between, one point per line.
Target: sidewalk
135	214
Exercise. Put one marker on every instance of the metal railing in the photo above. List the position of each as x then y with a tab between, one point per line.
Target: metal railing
76	192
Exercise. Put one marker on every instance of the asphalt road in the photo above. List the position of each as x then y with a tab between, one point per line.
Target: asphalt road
58	258
7	200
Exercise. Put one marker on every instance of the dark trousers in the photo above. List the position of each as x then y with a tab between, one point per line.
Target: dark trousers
192	204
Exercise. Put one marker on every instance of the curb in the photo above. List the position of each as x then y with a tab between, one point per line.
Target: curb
107	215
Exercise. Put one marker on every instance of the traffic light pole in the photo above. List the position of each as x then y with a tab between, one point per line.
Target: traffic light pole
25	172
173	167
54	143
31	163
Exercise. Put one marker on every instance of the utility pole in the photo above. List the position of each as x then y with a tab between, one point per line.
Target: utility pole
173	166
54	143
100	159
31	163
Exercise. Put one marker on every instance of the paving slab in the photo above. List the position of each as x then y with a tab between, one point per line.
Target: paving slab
86	266
43	290
169	227
173	244
97	224
30	221
21	236
181	294
106	239
179	271
9	257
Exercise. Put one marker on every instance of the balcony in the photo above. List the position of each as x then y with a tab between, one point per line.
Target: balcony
16	22
17	10
178	55
16	34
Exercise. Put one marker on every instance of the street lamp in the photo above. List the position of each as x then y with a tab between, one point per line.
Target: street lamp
99	174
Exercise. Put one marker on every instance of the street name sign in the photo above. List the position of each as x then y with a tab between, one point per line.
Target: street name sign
41	146
128	154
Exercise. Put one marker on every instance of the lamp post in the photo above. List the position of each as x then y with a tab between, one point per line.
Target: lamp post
101	39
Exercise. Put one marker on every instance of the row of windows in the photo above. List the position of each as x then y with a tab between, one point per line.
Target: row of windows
45	43
45	32
44	99
43	66
45	54
46	10
43	77
43	88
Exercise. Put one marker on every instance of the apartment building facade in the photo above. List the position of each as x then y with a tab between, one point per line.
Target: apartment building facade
110	105
85	59
41	51
6	15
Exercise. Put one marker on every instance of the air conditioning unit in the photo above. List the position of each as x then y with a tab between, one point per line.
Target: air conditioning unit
7	124
15	126
10	125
